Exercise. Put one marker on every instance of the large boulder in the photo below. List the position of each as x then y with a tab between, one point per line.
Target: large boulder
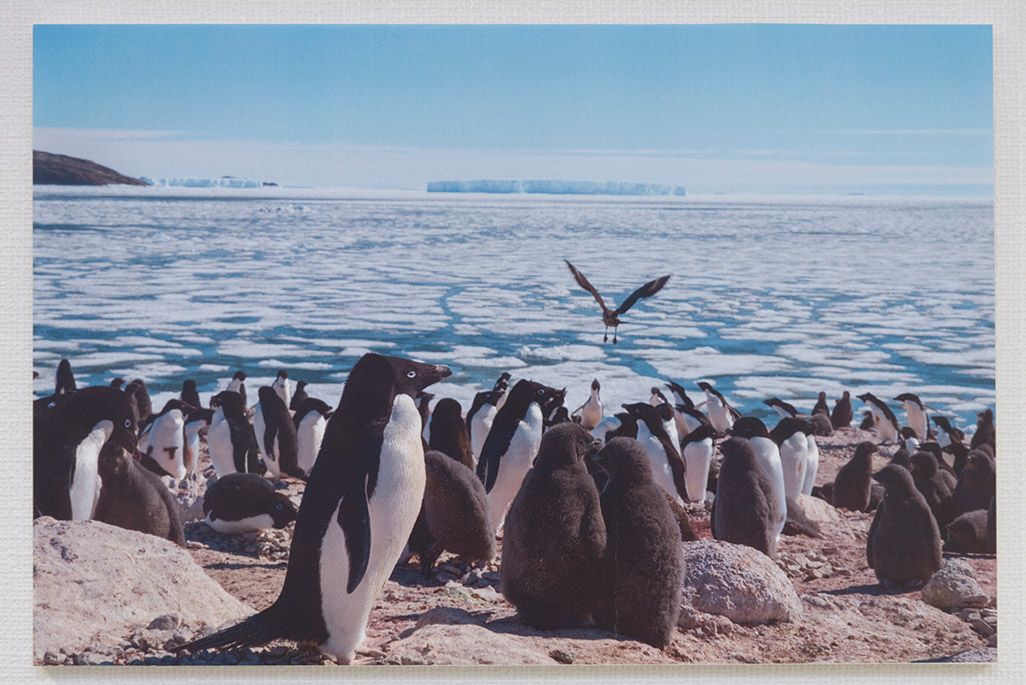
453	642
954	587
736	581
811	515
94	583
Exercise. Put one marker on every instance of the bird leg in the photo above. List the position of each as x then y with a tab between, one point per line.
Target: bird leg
605	335
614	333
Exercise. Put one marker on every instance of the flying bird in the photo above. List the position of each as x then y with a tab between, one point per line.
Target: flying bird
612	317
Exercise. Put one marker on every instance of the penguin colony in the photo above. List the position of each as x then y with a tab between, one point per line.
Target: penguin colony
588	503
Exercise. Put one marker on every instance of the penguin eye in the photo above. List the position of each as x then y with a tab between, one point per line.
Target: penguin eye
128	423
279	506
541	391
411	374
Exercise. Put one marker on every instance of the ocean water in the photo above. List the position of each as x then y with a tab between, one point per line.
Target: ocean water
767	298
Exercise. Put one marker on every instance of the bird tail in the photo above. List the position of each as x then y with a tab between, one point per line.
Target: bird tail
256	630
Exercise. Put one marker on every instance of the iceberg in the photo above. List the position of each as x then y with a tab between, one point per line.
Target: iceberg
554	187
223	182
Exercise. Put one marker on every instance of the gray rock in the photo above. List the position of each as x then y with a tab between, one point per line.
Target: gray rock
94	584
463	644
980	655
737	582
165	622
811	514
446	616
954	587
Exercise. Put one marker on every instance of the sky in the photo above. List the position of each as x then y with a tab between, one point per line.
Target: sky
716	108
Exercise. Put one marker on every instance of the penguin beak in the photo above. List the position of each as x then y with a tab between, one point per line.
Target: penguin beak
433	373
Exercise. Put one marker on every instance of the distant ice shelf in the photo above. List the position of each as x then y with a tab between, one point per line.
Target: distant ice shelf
554	187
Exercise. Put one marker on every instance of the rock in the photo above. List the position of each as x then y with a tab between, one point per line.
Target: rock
165	622
981	655
561	656
811	514
446	616
982	627
463	644
95	583
737	582
954	587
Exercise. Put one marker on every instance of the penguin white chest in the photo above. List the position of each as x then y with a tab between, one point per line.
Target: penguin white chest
516	462
698	459
309	438
719	415
192	444
166	443
811	465
793	460
656	453
591	413
85	484
480	424
393	509
219	445
767	457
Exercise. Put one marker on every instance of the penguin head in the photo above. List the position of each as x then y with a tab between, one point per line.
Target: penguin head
656	397
447	412
282	510
282	373
239	376
896	480
985	418
846	395
115	462
787	427
749	427
923	465
907	399
595	386
665	411
738	453
376	380
864	452
624	459
301	384
866	397
646	413
564	445
176	404
189	385
978	470
503	382
89	406
117	383
230	402
267	396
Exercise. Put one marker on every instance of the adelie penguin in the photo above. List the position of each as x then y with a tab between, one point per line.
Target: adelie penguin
821	406
310	420
65	381
884	420
916	413
904	545
767	457
842	415
135	498
246	502
853	484
482	413
668	468
512	443
276	435
164	449
685	415
282	386
359	507
66	449
449	432
189	395
611	318
139	398
792	439
984	434
196	421
299	396
642	569
721	414
555	534
698	449
744	509
238	384
230	439
591	412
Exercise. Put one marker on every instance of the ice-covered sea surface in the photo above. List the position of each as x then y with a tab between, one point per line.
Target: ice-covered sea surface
767	298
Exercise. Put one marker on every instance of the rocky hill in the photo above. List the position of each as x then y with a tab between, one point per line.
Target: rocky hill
61	170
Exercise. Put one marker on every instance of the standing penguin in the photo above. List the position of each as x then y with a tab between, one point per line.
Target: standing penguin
231	441
299	396
904	543
555	535
164	451
668	468
643	566
868	422
767	457
698	451
139	399
189	395
932	484
238	384
449	432
791	436
310	420
884	420
66	444
246	502
984	434
841	416
721	414
135	498
283	387
853	484
591	412
480	417
196	421
916	413
744	509
455	513
359	507
276	434
821	406
511	445
783	409
686	417
65	380
811	462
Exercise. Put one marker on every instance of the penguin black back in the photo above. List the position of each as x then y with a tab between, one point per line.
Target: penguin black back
310	404
244	441
449	432
65	381
238	496
278	426
507	419
299	396
135	498
189	394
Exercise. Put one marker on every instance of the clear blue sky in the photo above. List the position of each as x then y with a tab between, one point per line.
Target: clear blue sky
465	101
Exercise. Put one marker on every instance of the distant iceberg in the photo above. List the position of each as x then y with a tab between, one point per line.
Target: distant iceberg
554	187
223	182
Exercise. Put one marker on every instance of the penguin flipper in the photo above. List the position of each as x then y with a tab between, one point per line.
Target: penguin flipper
354	520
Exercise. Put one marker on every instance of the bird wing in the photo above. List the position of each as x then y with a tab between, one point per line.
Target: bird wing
584	283
647	290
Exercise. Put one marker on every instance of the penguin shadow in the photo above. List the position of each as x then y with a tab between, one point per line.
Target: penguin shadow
238	565
512	625
949	554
